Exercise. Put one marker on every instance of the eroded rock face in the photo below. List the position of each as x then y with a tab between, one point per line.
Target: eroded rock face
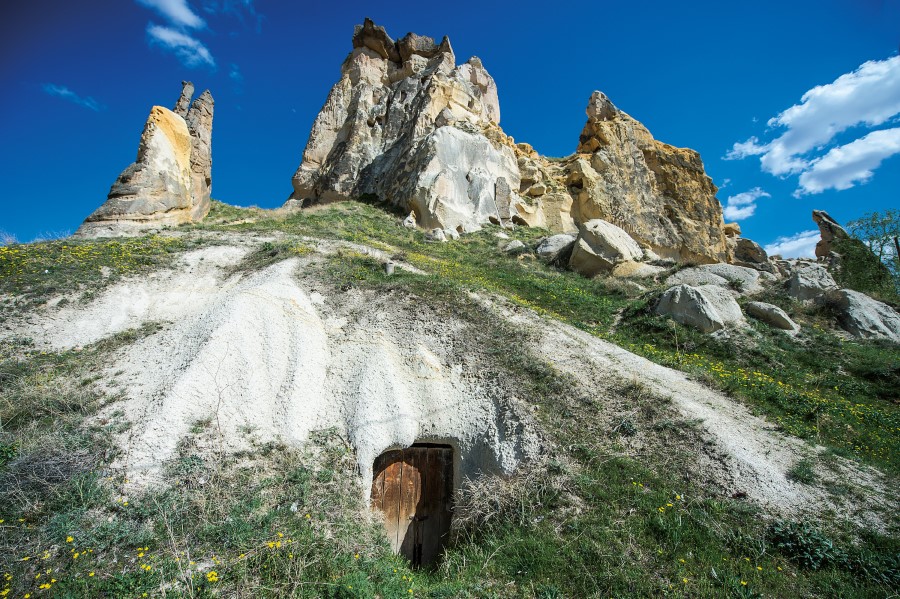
169	182
659	194
199	122
829	231
406	124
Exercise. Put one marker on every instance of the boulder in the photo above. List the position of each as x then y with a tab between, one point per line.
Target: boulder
600	246
514	247
550	247
406	124
772	315
809	281
169	182
746	252
708	308
436	235
740	280
864	317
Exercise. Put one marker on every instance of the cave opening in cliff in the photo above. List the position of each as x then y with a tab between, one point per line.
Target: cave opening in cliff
413	488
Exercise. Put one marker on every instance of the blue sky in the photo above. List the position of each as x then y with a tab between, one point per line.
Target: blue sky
792	105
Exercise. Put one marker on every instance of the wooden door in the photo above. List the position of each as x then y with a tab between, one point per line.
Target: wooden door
412	487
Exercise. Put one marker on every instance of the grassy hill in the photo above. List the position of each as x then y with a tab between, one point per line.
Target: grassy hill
618	506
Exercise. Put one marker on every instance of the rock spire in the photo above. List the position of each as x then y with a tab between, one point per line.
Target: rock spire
170	181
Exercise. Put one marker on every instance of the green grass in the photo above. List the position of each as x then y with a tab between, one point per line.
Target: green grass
35	272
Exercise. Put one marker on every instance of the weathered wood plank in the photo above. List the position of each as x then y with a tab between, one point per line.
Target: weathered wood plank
413	489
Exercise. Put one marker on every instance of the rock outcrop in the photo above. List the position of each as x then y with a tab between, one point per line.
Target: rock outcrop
829	231
809	282
658	193
406	124
708	308
169	183
750	254
740	280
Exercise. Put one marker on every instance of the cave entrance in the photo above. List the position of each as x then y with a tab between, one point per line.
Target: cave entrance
413	488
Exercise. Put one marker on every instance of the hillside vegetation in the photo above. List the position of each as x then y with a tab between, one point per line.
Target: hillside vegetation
617	507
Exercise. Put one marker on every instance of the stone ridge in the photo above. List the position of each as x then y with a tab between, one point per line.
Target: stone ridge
169	182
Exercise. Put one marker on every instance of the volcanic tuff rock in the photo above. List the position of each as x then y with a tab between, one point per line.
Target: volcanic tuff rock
600	247
406	124
863	316
658	193
772	315
169	182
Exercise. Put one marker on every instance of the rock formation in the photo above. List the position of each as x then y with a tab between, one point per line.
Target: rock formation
407	125
772	315
169	183
740	280
658	193
600	247
809	282
864	317
829	231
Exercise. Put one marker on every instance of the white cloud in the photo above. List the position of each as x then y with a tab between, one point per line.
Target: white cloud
743	205
799	245
740	150
67	94
868	96
177	12
235	74
847	165
191	52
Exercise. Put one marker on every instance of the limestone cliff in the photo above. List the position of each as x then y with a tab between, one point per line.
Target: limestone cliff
169	183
